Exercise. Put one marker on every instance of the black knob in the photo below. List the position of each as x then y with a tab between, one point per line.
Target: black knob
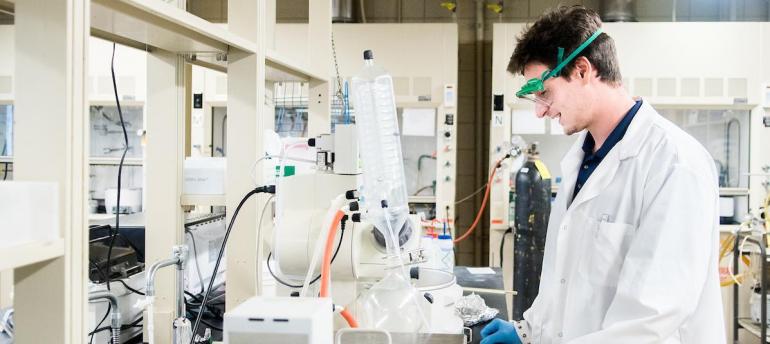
356	217
447	134
428	297
311	142
353	206
368	55
414	272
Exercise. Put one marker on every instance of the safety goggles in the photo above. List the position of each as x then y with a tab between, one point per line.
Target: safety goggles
533	89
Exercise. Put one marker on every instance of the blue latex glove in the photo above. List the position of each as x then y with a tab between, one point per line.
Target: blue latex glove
499	331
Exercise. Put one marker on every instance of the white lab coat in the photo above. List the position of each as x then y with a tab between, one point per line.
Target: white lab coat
633	258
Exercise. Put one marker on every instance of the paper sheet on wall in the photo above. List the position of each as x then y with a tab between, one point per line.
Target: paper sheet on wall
524	121
419	122
556	128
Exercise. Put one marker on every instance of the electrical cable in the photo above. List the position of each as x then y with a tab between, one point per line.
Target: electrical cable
423	189
120	167
133	324
109	308
483	202
502	243
473	194
337	250
262	189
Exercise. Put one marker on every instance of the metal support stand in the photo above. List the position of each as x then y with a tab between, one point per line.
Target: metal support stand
737	325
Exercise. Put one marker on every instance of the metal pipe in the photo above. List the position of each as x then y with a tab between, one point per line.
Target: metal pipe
180	300
114	311
150	287
618	11
179	258
363	11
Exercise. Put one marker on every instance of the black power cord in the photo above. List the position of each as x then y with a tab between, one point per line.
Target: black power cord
502	244
109	308
336	250
120	167
133	324
261	189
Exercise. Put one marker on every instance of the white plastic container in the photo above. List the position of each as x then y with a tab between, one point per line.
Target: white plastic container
384	195
446	253
204	176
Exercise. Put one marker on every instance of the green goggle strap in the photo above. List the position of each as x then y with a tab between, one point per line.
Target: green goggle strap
571	56
559	59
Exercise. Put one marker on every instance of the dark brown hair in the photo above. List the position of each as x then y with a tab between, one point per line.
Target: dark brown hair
566	27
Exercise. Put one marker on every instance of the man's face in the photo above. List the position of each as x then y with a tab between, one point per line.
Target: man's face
570	100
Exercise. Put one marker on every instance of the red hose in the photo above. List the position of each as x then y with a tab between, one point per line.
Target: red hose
349	318
483	205
326	263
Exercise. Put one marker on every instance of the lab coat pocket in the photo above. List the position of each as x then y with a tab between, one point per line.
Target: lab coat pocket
609	245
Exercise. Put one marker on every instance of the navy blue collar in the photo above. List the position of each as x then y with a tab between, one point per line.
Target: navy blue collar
615	136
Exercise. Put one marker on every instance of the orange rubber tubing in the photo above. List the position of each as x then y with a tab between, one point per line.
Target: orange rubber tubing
326	263
483	205
349	318
326	266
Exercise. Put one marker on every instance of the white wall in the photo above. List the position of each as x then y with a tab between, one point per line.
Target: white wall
130	71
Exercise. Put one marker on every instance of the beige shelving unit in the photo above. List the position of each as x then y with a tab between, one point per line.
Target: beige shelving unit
52	138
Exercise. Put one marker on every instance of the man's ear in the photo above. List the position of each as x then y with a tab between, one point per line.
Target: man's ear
583	68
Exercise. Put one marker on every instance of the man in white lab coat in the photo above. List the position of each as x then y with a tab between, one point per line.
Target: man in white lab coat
631	249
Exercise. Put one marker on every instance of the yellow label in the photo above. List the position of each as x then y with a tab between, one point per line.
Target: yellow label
544	173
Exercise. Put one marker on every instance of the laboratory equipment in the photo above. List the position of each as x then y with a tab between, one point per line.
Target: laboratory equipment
446	253
280	320
304	202
114	312
29	213
533	207
204	235
204	176
124	259
441	290
128	314
392	303
384	188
